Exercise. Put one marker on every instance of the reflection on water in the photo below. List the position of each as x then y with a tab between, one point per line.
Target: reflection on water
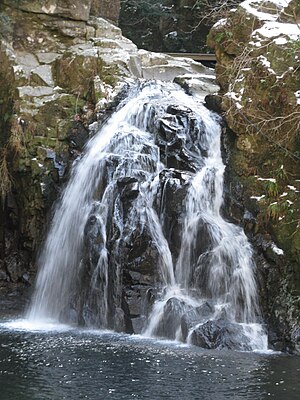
73	364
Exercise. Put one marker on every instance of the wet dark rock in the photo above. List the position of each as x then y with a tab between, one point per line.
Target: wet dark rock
77	135
119	320
195	316
16	266
122	182
172	313
4	276
93	240
178	110
249	222
179	139
170	205
214	102
219	335
139	304
129	190
275	341
296	338
138	324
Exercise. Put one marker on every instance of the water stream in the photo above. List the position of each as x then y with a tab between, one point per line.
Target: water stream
205	286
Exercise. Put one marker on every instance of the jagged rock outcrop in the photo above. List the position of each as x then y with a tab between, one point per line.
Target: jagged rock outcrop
258	62
63	69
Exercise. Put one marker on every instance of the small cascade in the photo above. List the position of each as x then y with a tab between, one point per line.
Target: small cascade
215	294
138	242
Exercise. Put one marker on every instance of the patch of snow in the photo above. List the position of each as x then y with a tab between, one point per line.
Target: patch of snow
277	250
280	3
94	126
251	7
297	94
256	44
18	69
284	194
221	22
289	202
273	29
267	179
49	10
172	34
266	63
258	198
233	95
292	188
280	40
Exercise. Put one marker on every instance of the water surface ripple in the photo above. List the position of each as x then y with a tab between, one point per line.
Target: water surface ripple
74	364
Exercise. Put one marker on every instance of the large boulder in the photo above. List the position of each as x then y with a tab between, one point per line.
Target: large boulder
220	334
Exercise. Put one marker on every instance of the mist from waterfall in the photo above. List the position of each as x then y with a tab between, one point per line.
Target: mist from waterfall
210	277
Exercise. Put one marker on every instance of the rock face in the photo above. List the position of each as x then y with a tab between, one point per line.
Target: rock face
258	61
219	335
106	9
79	10
62	71
170	26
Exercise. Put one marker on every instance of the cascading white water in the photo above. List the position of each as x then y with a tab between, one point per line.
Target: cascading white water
221	271
59	262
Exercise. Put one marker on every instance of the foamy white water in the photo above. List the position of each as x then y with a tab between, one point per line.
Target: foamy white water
215	261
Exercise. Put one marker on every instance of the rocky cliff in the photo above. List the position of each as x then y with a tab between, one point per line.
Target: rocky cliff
61	66
258	62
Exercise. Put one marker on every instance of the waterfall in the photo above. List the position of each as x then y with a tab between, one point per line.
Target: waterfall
117	200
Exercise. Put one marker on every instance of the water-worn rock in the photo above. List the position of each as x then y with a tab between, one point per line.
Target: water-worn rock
170	202
194	317
173	310
219	335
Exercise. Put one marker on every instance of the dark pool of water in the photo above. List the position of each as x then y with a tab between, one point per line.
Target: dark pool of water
73	364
